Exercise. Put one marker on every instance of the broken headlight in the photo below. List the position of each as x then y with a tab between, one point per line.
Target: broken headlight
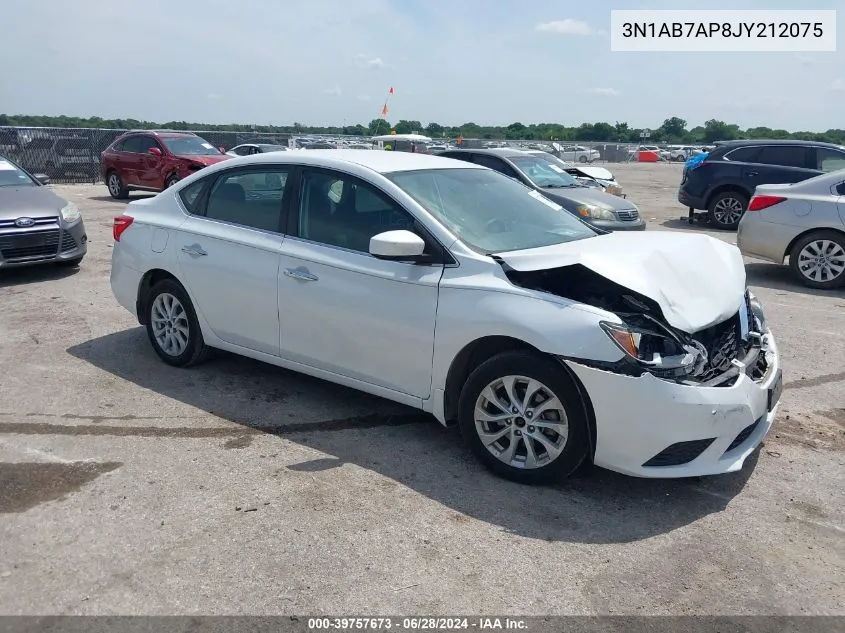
656	348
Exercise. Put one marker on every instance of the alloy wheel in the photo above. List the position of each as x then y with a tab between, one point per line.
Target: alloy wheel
171	328
114	185
727	211
521	422
821	261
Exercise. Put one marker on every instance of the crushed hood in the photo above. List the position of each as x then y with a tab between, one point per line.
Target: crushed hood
206	160
599	173
697	280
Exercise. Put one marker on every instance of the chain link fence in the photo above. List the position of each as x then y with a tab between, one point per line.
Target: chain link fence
72	155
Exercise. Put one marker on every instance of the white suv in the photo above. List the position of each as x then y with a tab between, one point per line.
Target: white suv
449	287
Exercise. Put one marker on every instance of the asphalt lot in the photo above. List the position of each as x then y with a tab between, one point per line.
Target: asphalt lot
129	487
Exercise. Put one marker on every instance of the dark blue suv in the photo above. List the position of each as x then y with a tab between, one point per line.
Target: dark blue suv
722	182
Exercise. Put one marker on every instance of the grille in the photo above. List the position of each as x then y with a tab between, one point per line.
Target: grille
744	434
30	244
46	221
722	344
68	243
680	453
628	215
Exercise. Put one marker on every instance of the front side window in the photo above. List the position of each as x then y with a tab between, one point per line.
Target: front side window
132	144
338	210
544	172
145	144
489	211
189	146
829	159
250	198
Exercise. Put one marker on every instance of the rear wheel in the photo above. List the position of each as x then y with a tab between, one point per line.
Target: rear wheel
727	208
172	325
523	417
117	189
818	259
582	159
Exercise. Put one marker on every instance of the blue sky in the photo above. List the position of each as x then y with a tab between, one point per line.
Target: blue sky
333	61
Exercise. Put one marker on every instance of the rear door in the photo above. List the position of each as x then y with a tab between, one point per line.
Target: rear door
229	251
776	164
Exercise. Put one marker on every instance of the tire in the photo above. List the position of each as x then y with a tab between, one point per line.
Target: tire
583	159
172	179
727	208
71	263
570	445
826	244
114	183
158	301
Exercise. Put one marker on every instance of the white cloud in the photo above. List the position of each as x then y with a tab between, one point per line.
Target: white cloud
837	86
367	61
336	91
602	92
363	97
566	27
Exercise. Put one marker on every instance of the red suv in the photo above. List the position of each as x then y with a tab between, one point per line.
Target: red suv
153	161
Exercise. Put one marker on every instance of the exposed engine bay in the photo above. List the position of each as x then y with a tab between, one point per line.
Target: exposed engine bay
714	356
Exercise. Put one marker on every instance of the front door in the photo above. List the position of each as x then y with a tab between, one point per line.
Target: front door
343	310
229	253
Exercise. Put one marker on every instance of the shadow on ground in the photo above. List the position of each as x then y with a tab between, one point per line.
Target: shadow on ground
593	506
35	274
776	277
132	196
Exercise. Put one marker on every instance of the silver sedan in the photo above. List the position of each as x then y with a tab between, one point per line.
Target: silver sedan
805	222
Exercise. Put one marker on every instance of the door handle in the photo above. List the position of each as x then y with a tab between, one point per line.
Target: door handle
752	173
300	274
194	250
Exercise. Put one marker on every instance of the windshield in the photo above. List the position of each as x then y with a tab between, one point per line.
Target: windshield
12	176
189	146
543	172
490	212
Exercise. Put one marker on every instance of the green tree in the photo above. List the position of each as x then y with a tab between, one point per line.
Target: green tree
715	130
673	129
434	130
379	126
406	127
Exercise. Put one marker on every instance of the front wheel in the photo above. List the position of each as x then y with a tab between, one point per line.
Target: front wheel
172	325
818	260
523	417
727	208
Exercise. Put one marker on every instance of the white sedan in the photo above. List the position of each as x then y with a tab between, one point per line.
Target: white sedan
449	287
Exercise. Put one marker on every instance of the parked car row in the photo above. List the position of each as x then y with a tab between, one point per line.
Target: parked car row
787	198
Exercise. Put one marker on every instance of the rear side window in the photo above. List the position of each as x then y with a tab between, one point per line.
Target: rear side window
497	164
132	144
829	159
192	196
743	154
783	155
464	156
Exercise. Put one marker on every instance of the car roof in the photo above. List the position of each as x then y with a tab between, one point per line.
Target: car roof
383	162
770	141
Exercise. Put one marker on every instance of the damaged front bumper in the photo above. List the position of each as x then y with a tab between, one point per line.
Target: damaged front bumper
652	427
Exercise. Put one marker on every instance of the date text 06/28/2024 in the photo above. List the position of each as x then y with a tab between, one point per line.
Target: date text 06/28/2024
723	31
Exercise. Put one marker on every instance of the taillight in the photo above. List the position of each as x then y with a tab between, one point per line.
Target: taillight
758	203
121	223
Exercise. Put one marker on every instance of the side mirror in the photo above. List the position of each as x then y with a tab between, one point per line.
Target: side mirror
222	150
155	151
44	179
401	245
